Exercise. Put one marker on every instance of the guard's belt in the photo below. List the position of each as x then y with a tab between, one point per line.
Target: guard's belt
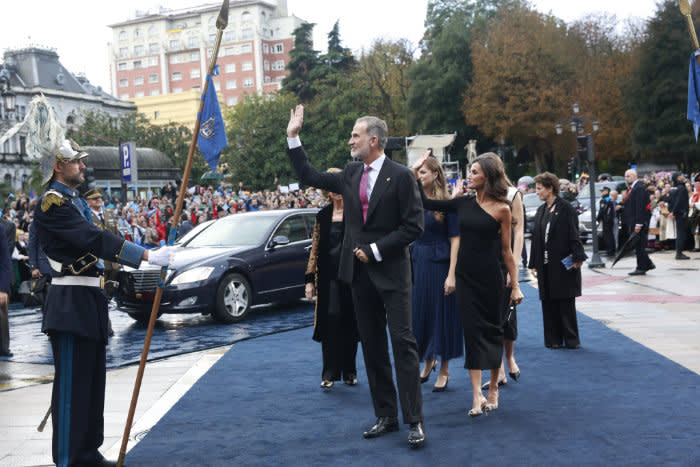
84	281
75	268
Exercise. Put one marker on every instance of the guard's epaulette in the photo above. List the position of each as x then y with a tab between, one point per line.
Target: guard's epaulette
52	198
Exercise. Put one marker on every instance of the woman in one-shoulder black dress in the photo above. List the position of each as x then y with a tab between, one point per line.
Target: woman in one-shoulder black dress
482	218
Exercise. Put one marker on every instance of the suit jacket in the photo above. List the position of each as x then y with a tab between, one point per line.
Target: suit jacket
394	217
679	203
636	211
563	240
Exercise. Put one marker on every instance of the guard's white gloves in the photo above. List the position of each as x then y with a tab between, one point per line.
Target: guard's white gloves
163	256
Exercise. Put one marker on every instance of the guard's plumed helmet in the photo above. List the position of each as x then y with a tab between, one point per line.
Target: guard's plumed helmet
67	152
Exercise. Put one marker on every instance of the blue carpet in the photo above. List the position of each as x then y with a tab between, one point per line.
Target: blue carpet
613	402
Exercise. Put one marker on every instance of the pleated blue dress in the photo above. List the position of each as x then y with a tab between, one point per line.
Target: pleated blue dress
436	323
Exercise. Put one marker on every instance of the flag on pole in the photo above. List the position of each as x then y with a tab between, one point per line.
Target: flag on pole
694	92
31	192
212	134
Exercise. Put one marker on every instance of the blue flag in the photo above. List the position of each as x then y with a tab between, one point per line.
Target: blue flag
31	192
693	83
212	134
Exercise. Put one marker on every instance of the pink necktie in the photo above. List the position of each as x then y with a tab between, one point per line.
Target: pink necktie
363	192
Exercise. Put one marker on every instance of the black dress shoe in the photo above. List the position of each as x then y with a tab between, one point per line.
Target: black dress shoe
6	354
682	256
416	435
637	272
515	375
383	426
651	266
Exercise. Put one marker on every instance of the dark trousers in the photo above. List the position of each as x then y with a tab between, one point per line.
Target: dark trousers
559	320
339	344
374	309
4	329
609	239
77	401
681	233
643	261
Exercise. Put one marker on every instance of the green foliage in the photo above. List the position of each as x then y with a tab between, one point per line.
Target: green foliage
101	129
657	94
338	59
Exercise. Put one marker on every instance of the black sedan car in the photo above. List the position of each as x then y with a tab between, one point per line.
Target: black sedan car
226	266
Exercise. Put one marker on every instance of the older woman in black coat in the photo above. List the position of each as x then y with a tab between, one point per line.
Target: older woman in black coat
556	255
335	326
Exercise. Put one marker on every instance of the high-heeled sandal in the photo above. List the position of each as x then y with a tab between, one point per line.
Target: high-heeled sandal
424	379
490	407
514	375
326	384
475	412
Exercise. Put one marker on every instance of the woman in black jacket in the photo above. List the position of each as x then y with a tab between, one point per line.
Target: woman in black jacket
556	255
334	324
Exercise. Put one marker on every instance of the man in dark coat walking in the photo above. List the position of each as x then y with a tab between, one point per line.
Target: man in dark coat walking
678	207
637	217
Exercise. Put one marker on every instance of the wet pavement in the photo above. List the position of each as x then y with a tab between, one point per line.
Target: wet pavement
173	335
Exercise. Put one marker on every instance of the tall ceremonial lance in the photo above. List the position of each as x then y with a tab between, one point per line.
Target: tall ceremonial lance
213	125
693	110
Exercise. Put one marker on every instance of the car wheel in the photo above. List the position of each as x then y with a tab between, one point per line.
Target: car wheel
142	316
233	299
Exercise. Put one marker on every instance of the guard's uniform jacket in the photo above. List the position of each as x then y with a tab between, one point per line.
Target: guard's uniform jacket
76	319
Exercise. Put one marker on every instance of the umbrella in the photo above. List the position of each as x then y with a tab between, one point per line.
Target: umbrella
628	246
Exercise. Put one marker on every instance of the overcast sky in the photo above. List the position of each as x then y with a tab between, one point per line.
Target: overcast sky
78	30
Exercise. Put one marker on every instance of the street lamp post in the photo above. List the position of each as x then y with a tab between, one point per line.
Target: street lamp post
8	96
584	143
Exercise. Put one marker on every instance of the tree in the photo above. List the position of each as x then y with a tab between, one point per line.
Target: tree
657	93
338	59
441	76
523	77
303	64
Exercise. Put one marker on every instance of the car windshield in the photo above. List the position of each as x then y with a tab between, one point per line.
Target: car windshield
236	230
193	233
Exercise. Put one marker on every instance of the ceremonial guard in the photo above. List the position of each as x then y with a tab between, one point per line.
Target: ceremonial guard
76	305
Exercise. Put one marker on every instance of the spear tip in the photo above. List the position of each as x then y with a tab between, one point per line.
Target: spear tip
222	20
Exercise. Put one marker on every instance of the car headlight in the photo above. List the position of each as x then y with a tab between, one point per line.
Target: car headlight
193	275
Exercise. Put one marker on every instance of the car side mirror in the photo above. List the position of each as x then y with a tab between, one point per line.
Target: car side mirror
279	240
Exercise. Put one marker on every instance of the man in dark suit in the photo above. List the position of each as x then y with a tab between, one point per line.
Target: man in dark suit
383	215
5	281
606	216
679	206
637	219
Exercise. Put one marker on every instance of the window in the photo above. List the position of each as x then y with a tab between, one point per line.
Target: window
194	56
195	73
138	50
212	21
266	65
138	64
174	59
232	101
217	86
122	66
279	48
177	90
266	48
212	39
278	65
231	84
177	76
248	83
123	96
152	31
294	228
138	81
192	42
123	52
152	61
265	32
246	49
122	35
230	51
123	83
230	68
174	44
156	114
247	66
267	79
153	48
154	92
229	36
137	33
153	78
139	94
245	16
247	33
197	88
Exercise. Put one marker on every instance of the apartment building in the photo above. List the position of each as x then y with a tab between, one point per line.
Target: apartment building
158	53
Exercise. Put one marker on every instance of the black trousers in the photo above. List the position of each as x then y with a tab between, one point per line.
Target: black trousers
4	328
339	344
681	233
375	309
609	239
560	324
77	401
643	261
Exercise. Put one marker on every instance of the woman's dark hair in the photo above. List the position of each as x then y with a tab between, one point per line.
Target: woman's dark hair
548	180
496	185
